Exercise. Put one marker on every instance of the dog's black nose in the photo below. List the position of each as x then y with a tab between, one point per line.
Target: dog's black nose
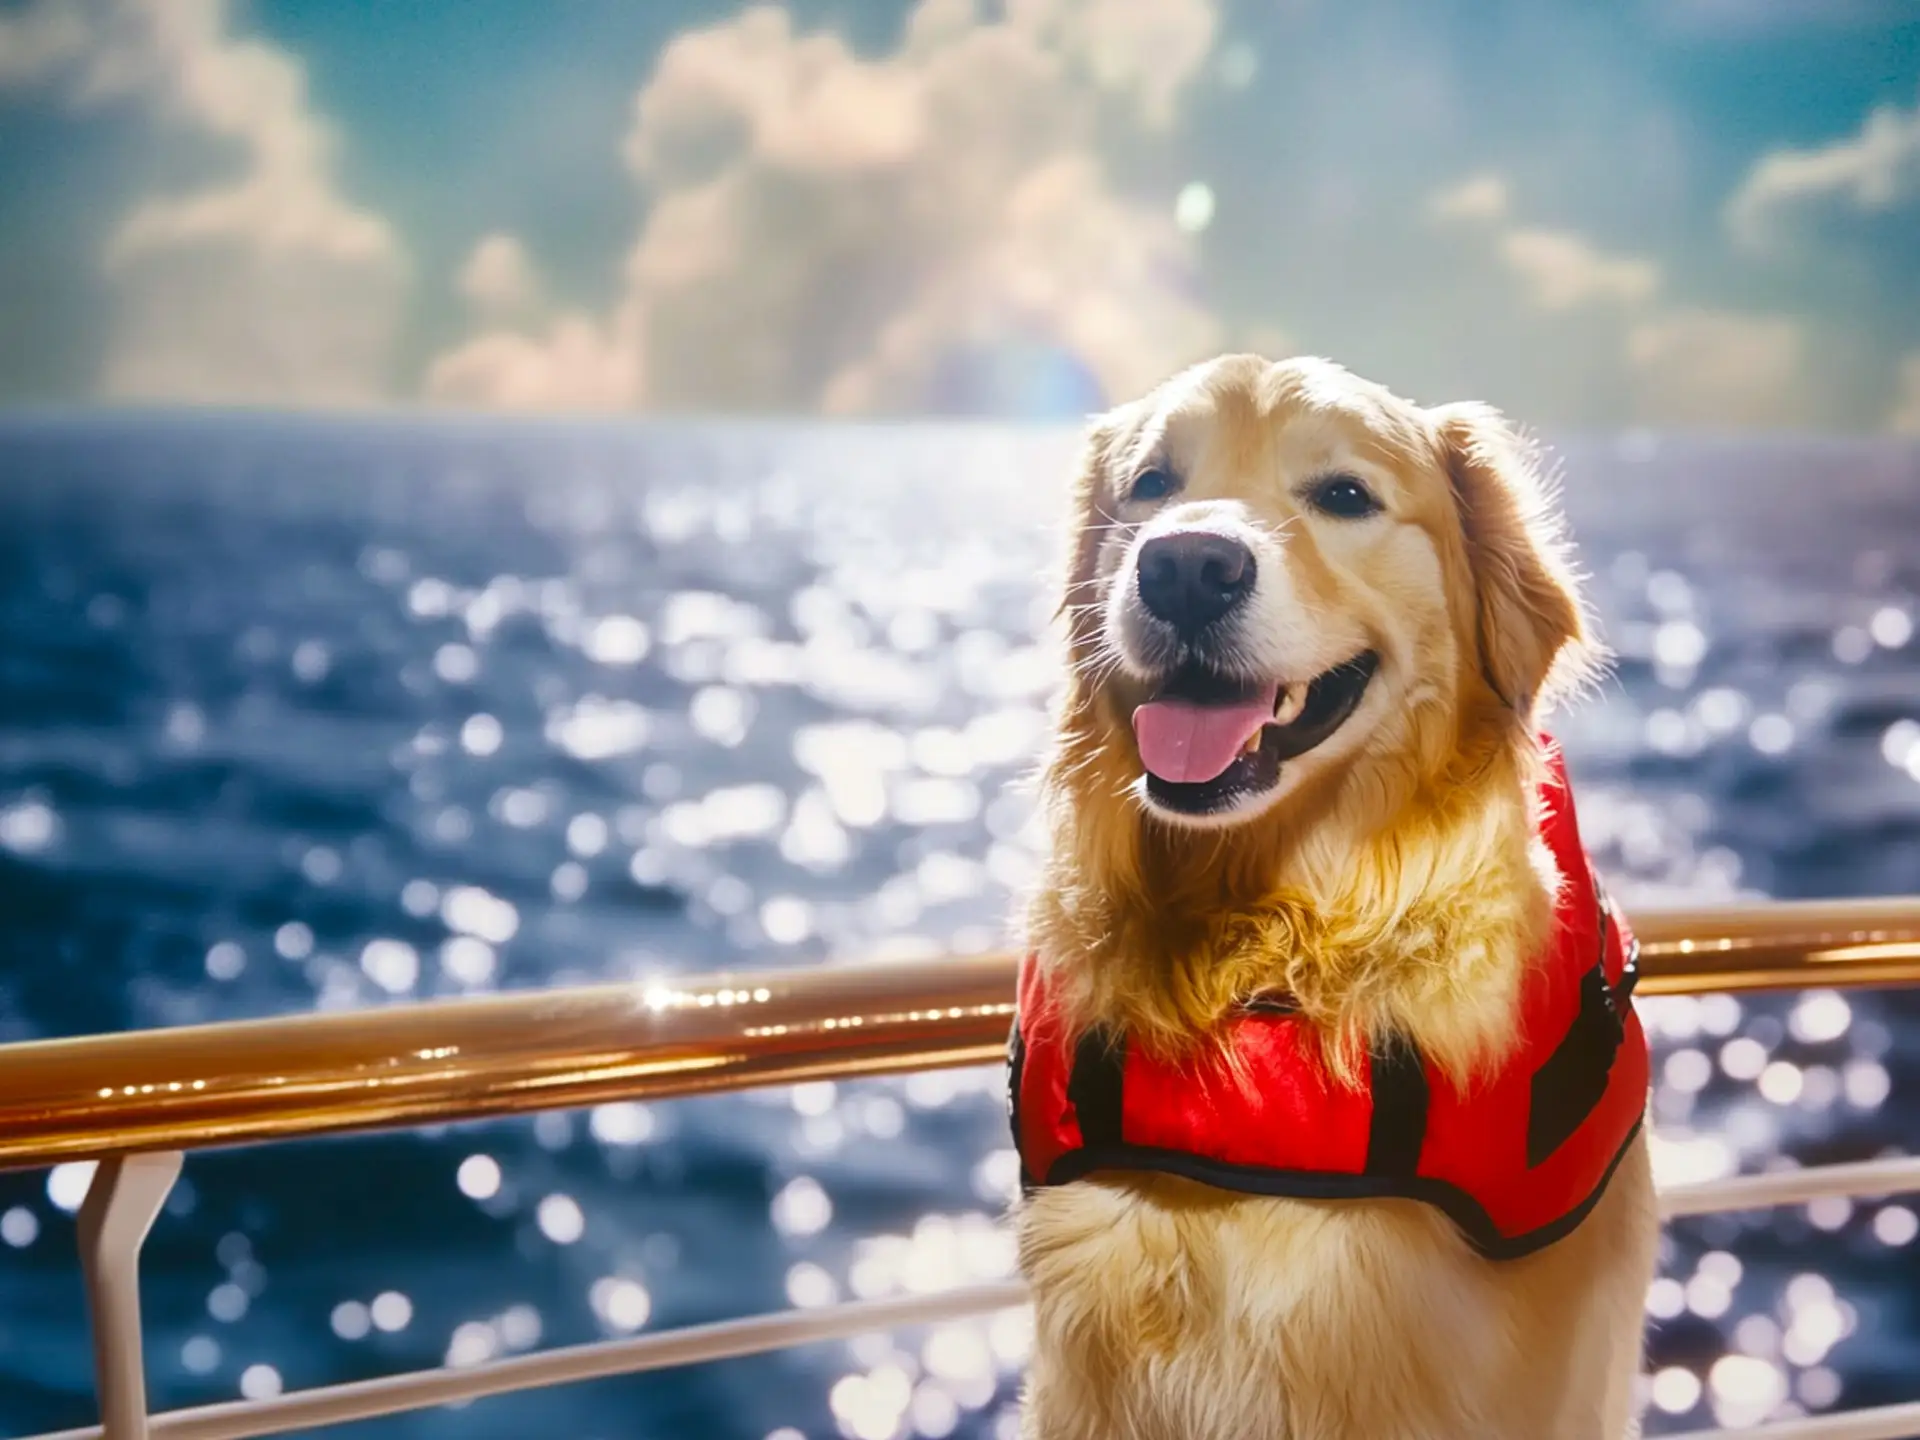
1192	578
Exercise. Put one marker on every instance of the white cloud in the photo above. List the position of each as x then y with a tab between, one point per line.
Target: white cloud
1876	170
1905	417
827	230
571	364
499	279
1675	363
1146	52
527	358
1561	270
1480	197
1073	265
1718	368
1558	269
265	286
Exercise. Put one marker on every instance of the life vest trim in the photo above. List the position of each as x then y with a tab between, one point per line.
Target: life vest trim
1472	1220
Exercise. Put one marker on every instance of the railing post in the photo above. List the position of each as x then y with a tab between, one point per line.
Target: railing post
122	1203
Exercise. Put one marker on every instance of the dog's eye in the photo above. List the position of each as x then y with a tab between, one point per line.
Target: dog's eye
1344	497
1155	484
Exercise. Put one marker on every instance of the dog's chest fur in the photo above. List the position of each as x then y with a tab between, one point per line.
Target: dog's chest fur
1164	1309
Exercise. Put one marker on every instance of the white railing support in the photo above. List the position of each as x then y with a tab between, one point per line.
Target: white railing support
123	1200
1887	1422
364	1399
693	1345
1859	1180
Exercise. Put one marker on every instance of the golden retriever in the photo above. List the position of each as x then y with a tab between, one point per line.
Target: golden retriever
1391	584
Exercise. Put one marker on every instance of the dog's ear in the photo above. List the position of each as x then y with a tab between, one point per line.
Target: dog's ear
1090	521
1532	628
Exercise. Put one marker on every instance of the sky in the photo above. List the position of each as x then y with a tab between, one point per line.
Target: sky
1697	214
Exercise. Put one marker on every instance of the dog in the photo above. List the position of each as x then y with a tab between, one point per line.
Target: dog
1307	846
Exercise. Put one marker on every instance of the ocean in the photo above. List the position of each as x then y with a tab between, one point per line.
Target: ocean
301	712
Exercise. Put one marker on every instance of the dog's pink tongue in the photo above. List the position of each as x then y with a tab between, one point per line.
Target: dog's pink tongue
1190	744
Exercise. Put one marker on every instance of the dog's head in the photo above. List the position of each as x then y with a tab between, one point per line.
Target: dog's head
1291	590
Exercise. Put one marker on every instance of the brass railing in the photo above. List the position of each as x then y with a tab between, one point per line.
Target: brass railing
205	1085
136	1101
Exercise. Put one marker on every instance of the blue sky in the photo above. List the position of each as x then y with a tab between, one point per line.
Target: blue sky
1650	212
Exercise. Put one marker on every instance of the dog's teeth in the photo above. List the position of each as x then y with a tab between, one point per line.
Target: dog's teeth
1253	744
1292	701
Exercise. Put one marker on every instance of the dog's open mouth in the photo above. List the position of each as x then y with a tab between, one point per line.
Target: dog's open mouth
1207	742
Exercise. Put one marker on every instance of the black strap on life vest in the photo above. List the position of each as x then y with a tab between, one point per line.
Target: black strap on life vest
1094	1085
1399	1125
1630	970
1572	1081
1016	1071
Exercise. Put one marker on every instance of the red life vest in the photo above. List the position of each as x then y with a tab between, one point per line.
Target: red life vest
1516	1159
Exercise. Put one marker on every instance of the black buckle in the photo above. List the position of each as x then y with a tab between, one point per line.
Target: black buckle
1629	975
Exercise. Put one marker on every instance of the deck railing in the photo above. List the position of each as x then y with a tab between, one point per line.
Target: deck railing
135	1102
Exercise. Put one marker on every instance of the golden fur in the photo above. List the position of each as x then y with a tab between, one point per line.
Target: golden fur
1393	883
